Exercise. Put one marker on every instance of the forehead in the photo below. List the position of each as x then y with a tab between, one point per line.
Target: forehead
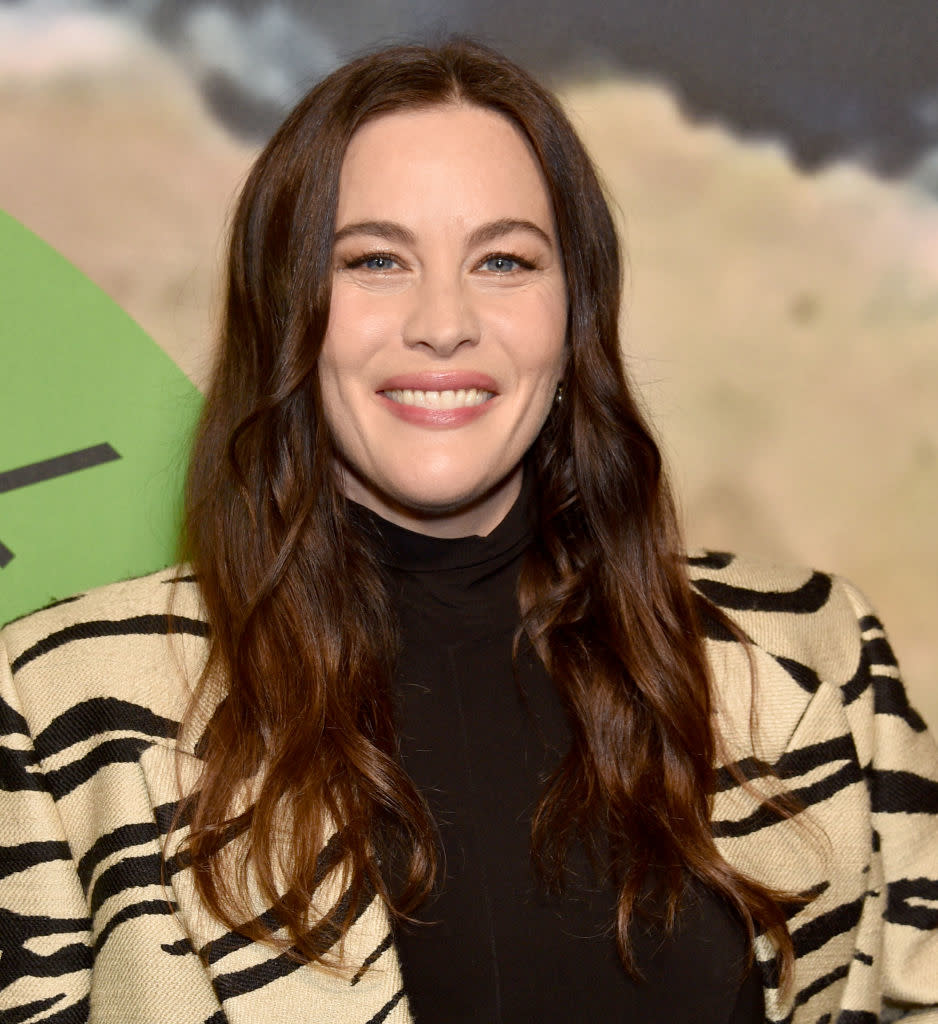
455	160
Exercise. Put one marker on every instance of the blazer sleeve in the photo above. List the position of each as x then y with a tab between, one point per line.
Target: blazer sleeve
900	762
45	946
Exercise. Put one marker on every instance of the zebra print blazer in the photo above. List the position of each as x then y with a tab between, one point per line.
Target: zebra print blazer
90	928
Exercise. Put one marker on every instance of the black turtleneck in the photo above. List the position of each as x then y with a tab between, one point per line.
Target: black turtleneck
479	743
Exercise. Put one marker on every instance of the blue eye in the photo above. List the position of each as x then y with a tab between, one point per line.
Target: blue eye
377	262
500	264
503	263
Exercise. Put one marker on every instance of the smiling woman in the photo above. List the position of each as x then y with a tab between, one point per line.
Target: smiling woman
448	317
441	720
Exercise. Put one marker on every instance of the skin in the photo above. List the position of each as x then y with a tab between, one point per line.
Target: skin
447	275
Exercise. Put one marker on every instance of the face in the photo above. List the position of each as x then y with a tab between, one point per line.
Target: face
446	335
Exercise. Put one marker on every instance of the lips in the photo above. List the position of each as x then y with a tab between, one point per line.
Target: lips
439	380
443	399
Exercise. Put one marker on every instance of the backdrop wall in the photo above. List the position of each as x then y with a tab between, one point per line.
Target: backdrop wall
776	172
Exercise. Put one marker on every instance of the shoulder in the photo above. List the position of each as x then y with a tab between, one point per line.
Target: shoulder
123	650
815	692
792	612
812	637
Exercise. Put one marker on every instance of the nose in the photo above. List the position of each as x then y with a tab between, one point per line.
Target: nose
441	317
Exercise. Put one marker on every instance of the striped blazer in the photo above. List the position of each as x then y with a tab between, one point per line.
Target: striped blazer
93	927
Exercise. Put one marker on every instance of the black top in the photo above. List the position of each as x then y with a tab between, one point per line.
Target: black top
479	743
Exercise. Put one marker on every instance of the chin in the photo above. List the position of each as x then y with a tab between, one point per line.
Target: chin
440	501
454	504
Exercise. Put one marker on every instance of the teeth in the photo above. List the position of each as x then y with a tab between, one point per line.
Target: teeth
440	399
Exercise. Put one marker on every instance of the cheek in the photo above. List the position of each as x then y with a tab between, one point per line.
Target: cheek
329	375
538	339
338	369
358	326
334	410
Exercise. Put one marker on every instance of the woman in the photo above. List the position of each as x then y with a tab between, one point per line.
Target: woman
457	697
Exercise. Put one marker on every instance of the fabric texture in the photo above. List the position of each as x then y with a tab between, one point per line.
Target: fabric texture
480	732
91	694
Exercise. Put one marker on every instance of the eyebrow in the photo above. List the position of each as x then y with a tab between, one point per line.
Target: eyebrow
380	228
395	232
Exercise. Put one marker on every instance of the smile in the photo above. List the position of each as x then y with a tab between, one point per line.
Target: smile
462	398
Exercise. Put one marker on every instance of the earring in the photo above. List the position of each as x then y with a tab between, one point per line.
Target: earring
558	394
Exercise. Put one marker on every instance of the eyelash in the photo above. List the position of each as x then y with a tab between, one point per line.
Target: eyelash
519	260
357	262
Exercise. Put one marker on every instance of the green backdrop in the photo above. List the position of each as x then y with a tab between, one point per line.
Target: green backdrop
94	431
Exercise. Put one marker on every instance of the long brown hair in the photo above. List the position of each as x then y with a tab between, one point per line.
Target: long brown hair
300	763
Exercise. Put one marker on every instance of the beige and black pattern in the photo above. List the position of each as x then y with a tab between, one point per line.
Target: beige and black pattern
91	693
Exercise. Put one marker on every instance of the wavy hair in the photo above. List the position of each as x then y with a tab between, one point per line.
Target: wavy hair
301	784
